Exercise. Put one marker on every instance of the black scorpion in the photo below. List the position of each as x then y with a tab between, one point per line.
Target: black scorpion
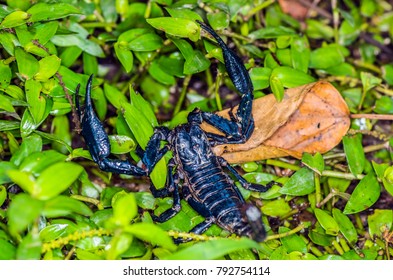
194	167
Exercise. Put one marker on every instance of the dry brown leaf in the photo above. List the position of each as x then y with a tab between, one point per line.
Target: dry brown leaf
294	9
311	118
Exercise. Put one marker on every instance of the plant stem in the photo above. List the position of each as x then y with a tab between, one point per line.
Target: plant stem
342	175
282	164
96	202
288	233
372	116
182	96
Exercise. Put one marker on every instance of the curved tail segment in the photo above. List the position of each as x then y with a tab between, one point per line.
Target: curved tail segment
97	140
240	127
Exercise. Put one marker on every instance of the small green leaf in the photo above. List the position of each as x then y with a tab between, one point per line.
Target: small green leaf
218	20
114	96
365	195
3	194
271	32
124	209
300	53
184	13
55	179
293	242
326	57
48	67
213	249
63	205
6	104
380	222
327	222
29	248
36	162
260	77
37	102
345	225
29	145
14	19
151	233
28	65
316	162
276	208
290	77
145	43
18	216
125	56
355	154
8	251
121	144
369	81
277	87
160	74
45	11
179	27
5	166
5	74
301	183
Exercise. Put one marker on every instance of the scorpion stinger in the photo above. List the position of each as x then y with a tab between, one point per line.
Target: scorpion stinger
97	140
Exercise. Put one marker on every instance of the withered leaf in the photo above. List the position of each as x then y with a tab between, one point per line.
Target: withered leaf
311	118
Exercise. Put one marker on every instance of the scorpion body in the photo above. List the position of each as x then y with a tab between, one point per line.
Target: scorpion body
202	175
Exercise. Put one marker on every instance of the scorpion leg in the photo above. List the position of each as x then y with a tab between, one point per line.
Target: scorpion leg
243	182
171	187
201	209
153	153
241	124
97	140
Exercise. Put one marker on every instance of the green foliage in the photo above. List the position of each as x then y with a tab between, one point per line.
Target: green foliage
152	59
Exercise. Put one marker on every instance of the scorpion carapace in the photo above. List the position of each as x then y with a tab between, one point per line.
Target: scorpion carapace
195	173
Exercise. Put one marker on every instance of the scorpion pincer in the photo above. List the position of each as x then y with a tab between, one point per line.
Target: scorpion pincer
195	173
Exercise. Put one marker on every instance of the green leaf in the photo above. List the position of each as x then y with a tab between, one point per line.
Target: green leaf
28	65
22	212
3	194
326	57
29	248
271	32
160	74
45	11
151	233
29	145
260	77
300	183
55	179
6	104
364	196
146	42
369	81
184	13
345	225
121	144
276	208
114	96
14	19
5	74
37	102
8	251
63	205
380	222
293	242
4	167
290	77
125	56
300	53
36	162
314	162
218	20
48	67
327	222
277	87
118	245
213	249
124	209
180	27
355	154
137	122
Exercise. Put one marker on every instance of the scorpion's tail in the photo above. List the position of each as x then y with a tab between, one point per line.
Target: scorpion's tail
234	65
